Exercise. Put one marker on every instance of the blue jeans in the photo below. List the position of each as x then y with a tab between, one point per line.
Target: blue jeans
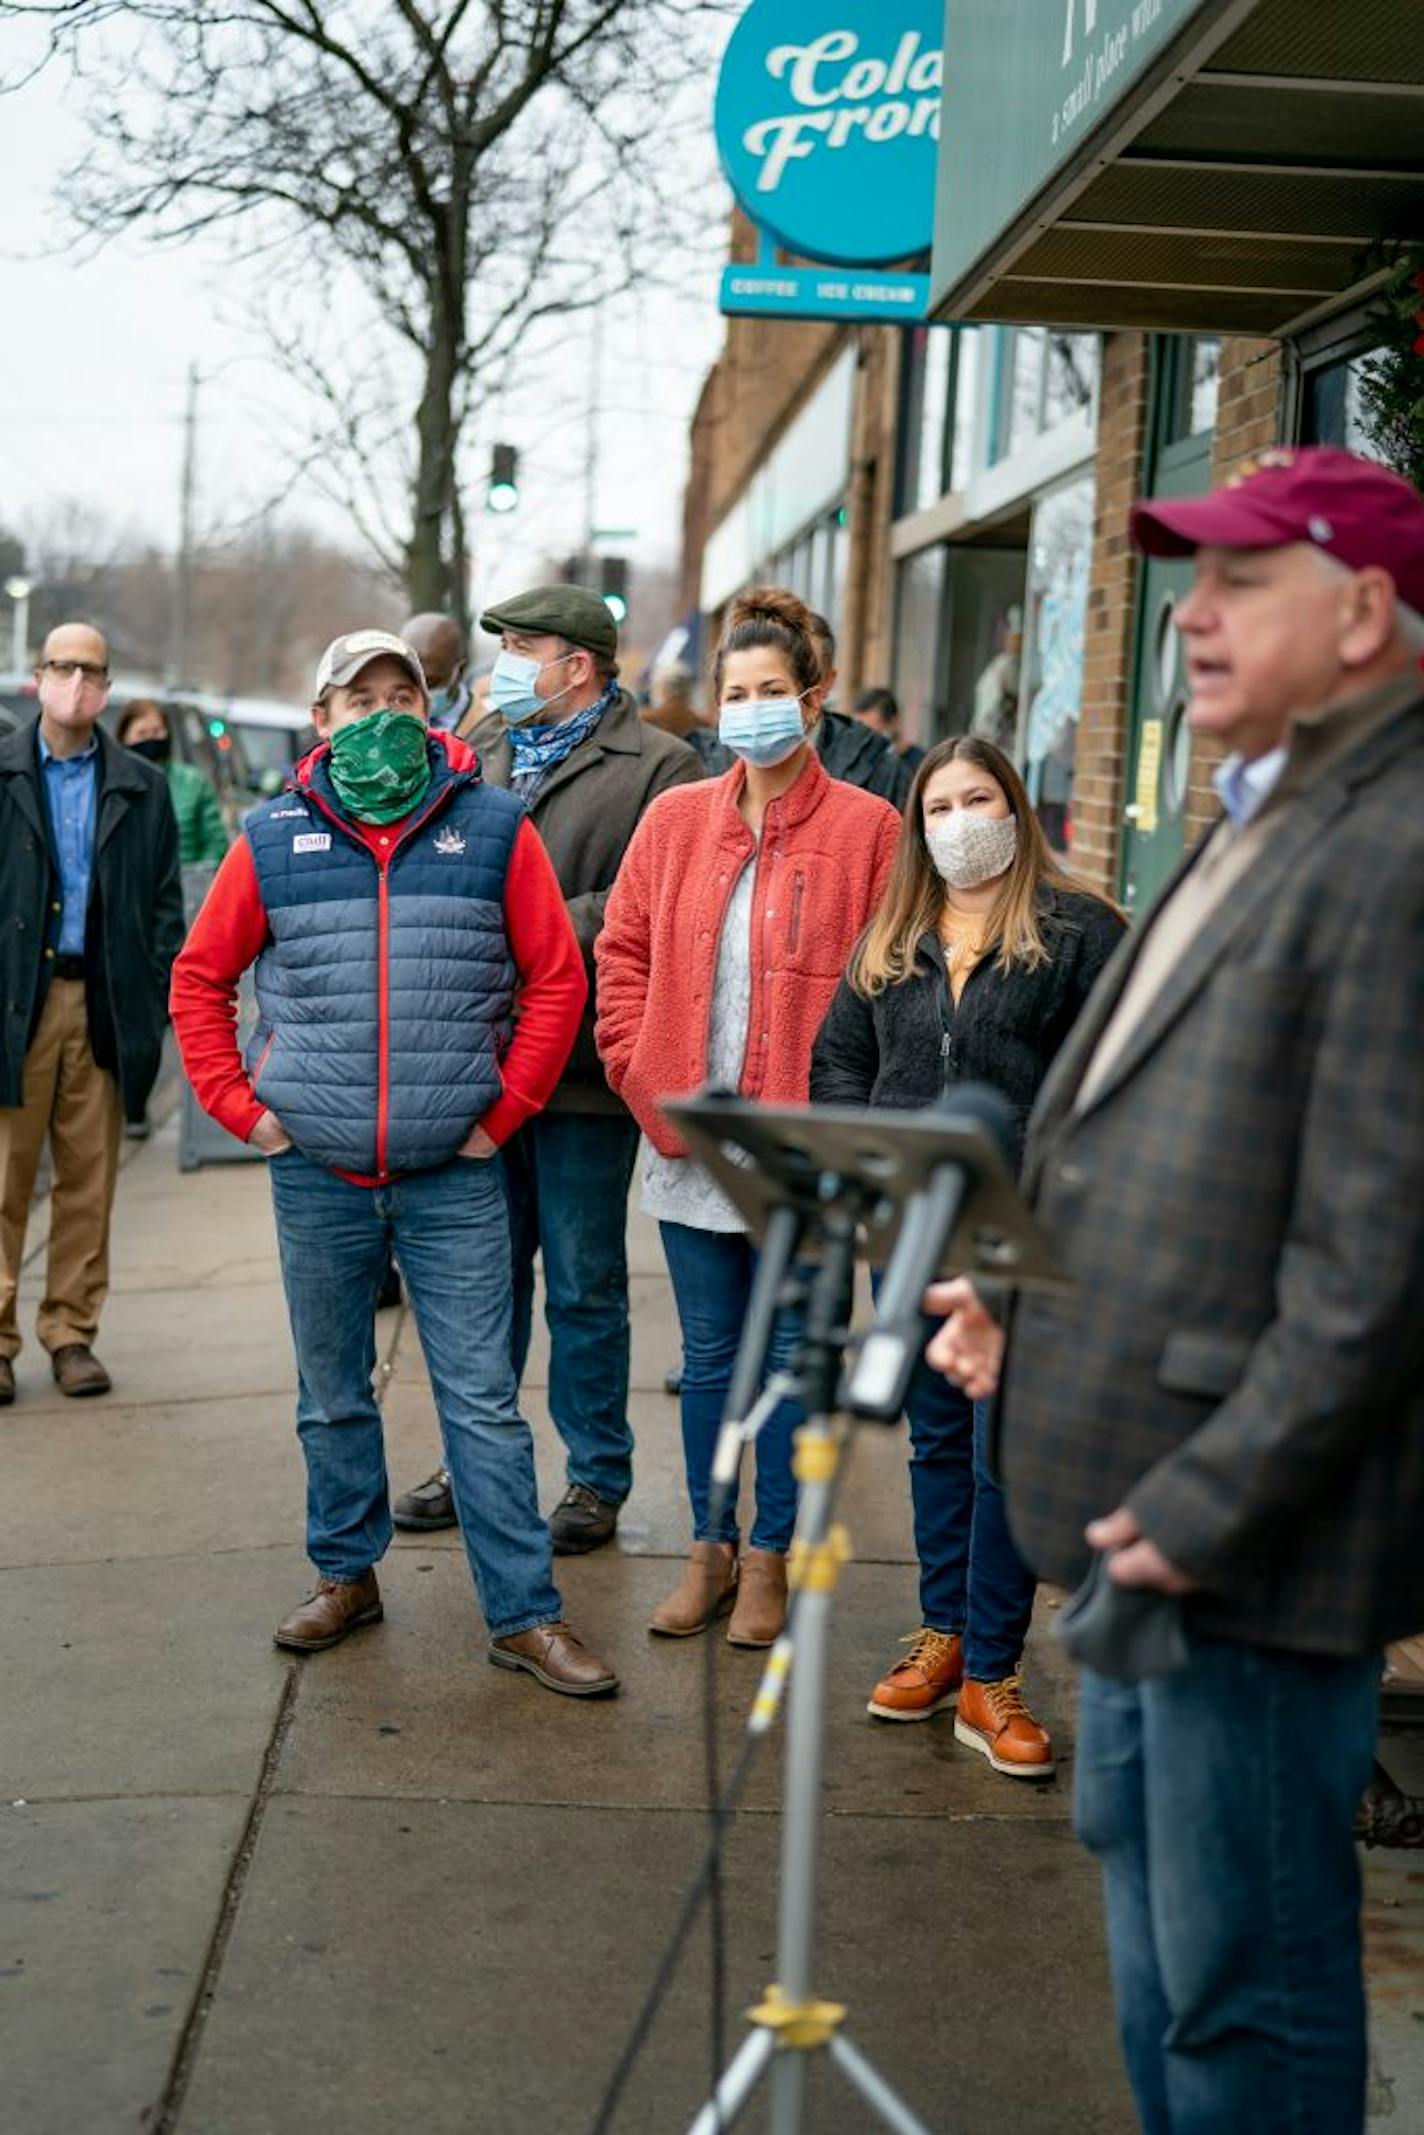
1220	1801
568	1175
450	1231
712	1281
972	1578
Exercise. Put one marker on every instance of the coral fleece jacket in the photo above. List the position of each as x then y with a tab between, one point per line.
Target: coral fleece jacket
821	868
231	931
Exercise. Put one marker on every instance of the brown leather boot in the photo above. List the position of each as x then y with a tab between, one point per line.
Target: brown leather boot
706	1590
928	1676
77	1370
557	1659
993	1719
7	1382
337	1608
760	1614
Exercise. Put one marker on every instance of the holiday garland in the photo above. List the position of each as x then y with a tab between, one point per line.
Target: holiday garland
1392	379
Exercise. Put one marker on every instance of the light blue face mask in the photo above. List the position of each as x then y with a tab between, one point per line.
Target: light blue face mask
511	690
763	731
442	703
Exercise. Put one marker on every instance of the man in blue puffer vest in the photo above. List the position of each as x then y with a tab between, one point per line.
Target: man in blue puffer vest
419	987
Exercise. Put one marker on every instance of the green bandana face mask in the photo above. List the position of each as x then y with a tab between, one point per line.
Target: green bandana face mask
379	766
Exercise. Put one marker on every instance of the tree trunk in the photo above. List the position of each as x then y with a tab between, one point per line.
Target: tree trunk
429	573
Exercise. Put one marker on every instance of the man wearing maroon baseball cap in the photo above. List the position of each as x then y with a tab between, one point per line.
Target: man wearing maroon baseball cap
1223	1425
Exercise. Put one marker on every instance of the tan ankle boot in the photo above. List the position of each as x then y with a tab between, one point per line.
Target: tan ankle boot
707	1587
760	1614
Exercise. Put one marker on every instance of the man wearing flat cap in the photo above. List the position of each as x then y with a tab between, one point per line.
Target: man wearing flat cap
564	737
1225	1416
418	988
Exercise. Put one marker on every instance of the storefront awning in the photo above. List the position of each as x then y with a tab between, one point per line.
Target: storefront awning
1207	165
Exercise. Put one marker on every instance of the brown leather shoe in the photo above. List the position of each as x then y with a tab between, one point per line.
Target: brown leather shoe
557	1659
78	1371
928	1676
707	1588
760	1613
337	1608
993	1719
7	1382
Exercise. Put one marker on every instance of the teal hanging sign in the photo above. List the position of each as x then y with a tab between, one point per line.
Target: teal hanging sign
827	122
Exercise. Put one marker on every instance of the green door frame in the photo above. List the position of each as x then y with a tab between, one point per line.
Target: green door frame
1159	739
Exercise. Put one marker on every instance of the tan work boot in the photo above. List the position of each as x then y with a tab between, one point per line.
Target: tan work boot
556	1658
760	1613
993	1719
708	1584
926	1678
338	1607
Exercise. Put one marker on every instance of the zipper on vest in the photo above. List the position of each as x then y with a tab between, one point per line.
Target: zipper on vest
383	1015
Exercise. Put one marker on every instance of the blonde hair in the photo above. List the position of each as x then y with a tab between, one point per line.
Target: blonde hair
914	896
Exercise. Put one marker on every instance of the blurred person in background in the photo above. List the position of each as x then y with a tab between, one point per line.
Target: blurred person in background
973	970
202	834
734	910
567	739
879	710
439	644
672	707
93	902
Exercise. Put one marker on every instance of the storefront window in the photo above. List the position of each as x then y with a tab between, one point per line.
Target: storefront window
919	606
930	392
1042	379
1334	412
1060	558
1205	374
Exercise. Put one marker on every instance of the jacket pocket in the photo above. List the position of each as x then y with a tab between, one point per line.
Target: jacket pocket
793	924
261	1062
1195	1361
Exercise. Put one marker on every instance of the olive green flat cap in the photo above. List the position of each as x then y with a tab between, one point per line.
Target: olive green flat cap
570	612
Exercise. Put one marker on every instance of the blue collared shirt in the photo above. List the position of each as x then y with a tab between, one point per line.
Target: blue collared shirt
1244	788
71	785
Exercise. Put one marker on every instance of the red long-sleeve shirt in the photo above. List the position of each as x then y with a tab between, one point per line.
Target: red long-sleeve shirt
231	931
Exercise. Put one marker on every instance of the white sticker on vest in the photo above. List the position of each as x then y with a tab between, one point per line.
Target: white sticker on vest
312	841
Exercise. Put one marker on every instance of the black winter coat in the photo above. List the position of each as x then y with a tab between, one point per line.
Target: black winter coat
135	924
903	1047
849	751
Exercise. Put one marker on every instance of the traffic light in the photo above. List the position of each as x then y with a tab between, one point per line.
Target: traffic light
613	585
504	480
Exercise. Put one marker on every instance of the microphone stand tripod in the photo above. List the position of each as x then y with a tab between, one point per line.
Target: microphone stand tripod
793	1196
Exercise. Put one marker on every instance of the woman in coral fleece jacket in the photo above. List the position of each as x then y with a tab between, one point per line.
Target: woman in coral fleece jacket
735	909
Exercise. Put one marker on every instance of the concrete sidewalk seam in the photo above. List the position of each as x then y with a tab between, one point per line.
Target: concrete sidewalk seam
190	2039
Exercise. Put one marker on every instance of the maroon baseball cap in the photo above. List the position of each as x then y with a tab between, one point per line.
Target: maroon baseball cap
1352	509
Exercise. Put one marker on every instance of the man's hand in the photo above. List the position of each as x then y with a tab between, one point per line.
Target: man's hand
969	1348
1134	1560
477	1145
270	1136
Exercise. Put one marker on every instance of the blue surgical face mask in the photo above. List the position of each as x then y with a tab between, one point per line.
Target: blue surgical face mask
511	690
763	731
443	702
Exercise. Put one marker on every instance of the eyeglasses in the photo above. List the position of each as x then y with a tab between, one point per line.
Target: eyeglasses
88	672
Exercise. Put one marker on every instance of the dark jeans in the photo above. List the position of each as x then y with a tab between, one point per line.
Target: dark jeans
450	1231
972	1578
568	1175
1220	1801
712	1280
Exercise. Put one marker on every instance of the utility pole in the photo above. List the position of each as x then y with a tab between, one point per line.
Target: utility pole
183	576
590	463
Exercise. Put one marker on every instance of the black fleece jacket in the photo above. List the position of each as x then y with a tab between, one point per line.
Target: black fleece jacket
901	1048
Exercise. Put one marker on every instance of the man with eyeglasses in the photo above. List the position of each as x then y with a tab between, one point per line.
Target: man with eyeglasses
91	918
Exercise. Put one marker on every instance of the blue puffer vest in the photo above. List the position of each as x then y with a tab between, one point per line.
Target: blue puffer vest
385	994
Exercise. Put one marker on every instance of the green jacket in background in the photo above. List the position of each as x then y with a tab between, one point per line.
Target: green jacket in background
202	834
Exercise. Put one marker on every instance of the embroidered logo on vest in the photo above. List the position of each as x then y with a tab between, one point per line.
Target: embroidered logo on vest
312	841
449	842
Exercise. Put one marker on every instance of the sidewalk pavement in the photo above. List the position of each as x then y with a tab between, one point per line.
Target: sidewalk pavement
390	1886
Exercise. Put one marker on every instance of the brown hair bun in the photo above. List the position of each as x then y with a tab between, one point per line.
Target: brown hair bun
775	618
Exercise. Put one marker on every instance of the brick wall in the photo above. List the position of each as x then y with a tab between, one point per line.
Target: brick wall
1112	591
1249	413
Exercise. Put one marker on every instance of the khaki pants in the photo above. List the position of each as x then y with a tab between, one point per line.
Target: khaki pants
76	1102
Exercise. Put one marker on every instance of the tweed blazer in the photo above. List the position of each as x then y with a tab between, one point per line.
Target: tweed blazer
1241	1206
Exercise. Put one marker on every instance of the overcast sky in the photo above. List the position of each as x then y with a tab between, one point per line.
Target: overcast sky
95	352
